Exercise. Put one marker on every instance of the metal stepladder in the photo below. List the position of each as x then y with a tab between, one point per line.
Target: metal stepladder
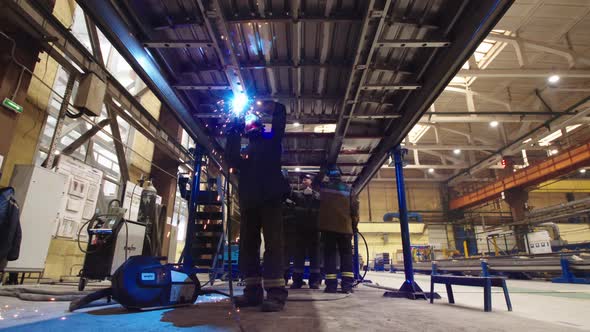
206	224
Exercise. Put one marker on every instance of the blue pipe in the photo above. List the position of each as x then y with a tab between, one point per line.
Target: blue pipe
355	258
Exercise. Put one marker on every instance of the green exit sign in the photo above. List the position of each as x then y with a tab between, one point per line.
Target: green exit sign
11	105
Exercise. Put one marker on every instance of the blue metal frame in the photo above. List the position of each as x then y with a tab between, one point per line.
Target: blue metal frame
567	276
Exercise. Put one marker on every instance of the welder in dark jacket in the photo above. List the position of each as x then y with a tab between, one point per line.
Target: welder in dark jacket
338	219
307	236
262	189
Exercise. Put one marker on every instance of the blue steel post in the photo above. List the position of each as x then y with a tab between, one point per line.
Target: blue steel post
355	258
187	262
398	153
409	288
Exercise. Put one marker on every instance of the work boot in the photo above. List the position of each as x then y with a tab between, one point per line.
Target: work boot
331	286
253	296
315	280
297	284
347	290
272	305
331	289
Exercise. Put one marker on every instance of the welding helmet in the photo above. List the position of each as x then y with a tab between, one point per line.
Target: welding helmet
333	172
253	124
306	176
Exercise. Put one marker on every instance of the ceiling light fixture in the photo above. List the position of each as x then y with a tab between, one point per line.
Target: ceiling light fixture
583	171
494	124
457	151
431	170
296	124
553	79
297	169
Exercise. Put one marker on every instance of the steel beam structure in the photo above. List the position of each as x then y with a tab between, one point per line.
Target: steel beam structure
231	66
71	54
556	123
524	73
571	56
117	141
551	168
361	62
482	17
116	30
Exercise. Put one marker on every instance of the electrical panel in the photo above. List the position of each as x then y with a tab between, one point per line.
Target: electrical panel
90	96
38	192
538	243
79	203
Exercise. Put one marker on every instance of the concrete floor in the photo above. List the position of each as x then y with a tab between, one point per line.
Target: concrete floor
538	306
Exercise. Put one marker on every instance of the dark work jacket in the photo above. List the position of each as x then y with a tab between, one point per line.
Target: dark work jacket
306	210
259	175
339	209
10	230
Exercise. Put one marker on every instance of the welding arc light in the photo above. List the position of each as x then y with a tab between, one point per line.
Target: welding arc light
239	103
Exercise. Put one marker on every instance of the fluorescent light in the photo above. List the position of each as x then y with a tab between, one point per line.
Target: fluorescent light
325	128
431	170
554	151
494	124
297	169
527	140
296	124
457	151
583	170
553	79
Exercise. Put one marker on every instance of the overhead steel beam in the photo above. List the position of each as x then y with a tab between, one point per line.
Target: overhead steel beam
483	118
557	123
115	29
524	73
293	19
291	65
296	32
230	66
202	87
397	86
72	55
477	19
326	28
68	150
177	44
352	91
571	56
410	43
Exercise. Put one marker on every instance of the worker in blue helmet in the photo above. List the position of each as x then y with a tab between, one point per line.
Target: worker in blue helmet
307	236
261	190
338	220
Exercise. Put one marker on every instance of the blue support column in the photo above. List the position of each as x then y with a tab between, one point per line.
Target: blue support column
409	288
187	257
